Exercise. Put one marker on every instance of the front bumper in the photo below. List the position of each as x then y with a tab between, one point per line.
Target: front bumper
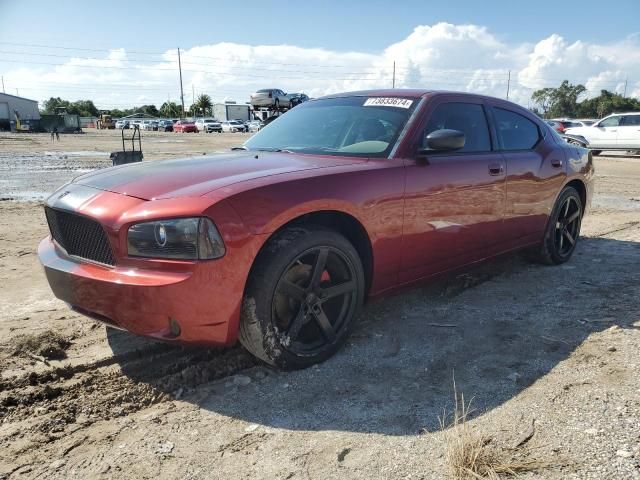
204	298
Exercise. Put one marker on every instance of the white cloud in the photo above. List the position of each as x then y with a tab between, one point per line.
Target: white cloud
442	56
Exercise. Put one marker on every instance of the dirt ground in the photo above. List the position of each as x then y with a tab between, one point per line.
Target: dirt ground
555	348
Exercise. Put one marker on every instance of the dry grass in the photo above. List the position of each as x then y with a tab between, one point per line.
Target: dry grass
471	455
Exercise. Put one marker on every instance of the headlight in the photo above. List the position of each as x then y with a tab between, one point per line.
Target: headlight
180	238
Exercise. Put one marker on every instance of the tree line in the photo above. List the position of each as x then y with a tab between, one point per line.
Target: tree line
85	108
563	101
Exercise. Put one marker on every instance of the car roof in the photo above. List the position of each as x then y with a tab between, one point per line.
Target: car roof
412	93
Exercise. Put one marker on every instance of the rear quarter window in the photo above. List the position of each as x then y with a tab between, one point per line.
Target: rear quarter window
515	131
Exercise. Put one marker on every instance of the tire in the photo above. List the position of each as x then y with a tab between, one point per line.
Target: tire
296	313
562	231
291	105
595	153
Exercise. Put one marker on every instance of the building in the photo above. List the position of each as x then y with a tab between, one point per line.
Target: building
9	104
231	111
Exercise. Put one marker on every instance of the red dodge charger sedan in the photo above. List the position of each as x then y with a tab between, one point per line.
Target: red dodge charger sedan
279	242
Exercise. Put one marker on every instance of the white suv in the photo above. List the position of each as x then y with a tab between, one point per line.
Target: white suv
619	131
208	125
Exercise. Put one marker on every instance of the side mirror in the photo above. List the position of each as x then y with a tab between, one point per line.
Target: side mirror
444	140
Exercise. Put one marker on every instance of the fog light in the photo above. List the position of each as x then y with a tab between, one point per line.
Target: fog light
174	327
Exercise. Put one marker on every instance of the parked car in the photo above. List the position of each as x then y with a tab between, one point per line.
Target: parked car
150	125
254	125
185	126
213	126
271	97
122	124
298	98
208	125
561	125
344	198
619	131
233	126
243	122
583	122
165	126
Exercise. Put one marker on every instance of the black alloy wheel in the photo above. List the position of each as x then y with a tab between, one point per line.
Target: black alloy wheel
302	298
568	226
562	231
313	299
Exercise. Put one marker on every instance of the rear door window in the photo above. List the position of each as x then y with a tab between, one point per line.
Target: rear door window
469	118
630	120
515	131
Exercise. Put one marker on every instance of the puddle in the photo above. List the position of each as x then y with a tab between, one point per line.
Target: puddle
81	153
34	176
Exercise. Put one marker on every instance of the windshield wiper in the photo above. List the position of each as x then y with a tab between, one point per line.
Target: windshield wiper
239	148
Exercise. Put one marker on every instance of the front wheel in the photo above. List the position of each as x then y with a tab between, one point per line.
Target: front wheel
563	229
302	298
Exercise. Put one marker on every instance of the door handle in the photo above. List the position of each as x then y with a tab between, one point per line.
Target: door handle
496	169
556	163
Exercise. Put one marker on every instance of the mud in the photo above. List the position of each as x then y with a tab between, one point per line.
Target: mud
48	345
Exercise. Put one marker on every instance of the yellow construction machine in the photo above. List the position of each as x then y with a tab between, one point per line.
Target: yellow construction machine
105	121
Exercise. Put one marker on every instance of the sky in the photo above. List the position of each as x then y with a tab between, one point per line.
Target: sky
123	54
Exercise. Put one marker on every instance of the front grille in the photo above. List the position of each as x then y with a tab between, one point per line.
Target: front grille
79	236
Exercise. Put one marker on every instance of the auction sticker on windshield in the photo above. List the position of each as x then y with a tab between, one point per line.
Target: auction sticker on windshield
388	102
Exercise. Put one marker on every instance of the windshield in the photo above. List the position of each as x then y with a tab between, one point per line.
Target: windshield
350	126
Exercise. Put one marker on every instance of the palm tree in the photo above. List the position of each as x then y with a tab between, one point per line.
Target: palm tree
204	103
170	110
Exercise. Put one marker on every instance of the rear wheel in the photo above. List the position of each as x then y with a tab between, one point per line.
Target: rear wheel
563	229
303	297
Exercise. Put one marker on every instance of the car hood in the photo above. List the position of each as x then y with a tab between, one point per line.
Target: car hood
197	176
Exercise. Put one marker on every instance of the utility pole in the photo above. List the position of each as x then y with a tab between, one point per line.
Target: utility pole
193	95
3	84
508	84
181	91
394	75
624	95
